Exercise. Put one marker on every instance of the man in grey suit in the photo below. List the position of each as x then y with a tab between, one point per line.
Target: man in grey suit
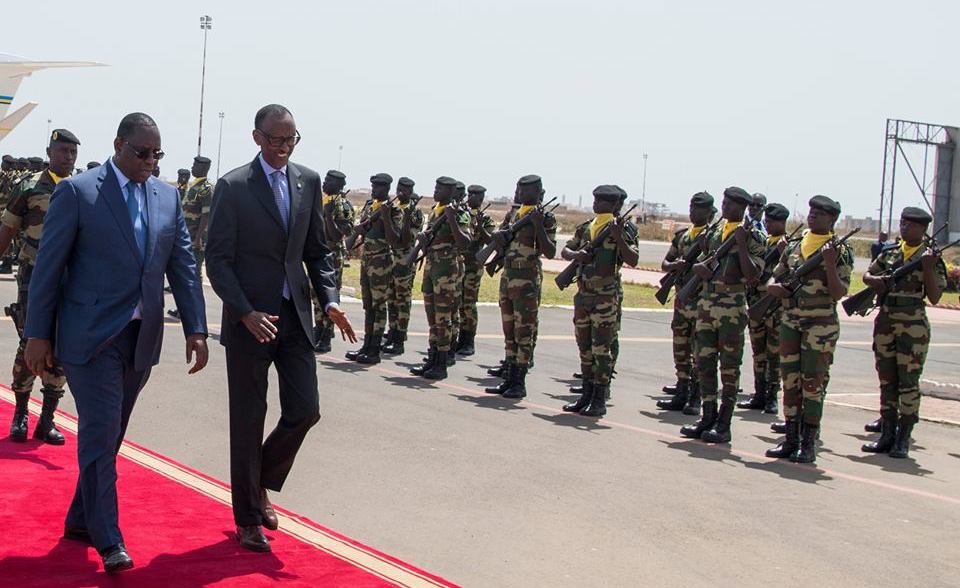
266	224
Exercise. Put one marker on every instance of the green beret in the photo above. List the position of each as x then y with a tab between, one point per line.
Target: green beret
93	164
201	160
476	189
701	199
607	192
623	193
405	181
9	159
182	172
530	180
738	195
776	211
759	199
446	181
460	185
917	215
63	136
35	160
381	178
23	160
336	175
825	204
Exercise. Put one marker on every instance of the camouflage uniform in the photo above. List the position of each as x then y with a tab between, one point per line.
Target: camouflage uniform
441	270
765	340
901	335
182	191
24	214
684	322
809	331
473	273
344	215
376	271
401	287
196	213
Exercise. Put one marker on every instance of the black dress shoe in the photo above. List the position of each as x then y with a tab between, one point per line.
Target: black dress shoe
116	559
251	537
266	510
77	534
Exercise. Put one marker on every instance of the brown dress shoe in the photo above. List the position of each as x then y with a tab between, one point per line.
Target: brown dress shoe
251	537
266	510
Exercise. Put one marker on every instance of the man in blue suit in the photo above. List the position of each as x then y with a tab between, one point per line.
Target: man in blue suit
111	235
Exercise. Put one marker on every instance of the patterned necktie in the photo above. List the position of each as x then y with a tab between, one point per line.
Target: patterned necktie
136	218
281	199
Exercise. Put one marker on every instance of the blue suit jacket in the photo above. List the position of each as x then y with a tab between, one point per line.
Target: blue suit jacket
89	274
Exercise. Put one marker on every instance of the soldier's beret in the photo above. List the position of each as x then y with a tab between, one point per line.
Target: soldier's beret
917	215
201	159
530	180
8	159
738	195
607	192
446	181
701	199
334	174
405	181
460	185
381	178
713	210
180	171
623	193
476	189
63	136
93	164
776	211
759	198
35	159
828	205
23	160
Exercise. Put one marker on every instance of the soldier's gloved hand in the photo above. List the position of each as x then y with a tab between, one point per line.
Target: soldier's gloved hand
829	252
703	270
778	291
583	256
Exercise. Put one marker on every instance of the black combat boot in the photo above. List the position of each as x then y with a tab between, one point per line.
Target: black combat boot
353	355
6	266
678	400
466	347
671	389
427	363
705	423
19	427
772	405
807	452
46	431
372	355
451	359
693	402
720	431
598	403
579	389
790	443
438	371
577	376
394	344
759	398
323	338
518	389
509	369
874	426
500	371
888	434
901	445
581	403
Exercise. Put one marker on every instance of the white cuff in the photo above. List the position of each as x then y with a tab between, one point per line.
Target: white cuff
331	305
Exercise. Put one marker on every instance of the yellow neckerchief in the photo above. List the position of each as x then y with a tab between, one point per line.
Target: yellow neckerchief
812	242
773	240
327	198
438	210
907	250
56	180
728	229
601	220
695	231
403	205
526	208
197	181
376	204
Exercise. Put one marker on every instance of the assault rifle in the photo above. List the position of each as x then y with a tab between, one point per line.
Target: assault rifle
670	279
500	239
770	303
15	312
425	238
772	256
364	224
693	283
867	299
569	273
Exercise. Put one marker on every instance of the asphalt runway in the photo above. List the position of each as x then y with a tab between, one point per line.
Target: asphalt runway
490	492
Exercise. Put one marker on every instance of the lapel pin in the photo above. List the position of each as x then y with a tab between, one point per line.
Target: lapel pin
299	185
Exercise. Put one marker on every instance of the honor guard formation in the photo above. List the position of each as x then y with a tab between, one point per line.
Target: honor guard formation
743	274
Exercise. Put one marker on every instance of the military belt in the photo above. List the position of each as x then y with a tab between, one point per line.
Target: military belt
807	302
523	263
901	301
726	288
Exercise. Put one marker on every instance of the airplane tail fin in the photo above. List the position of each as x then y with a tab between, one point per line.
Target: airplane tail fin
11	121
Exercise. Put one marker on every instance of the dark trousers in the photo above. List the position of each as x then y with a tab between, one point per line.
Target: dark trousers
256	463
105	390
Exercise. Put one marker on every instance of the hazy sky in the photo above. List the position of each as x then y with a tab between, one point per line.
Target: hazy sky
783	98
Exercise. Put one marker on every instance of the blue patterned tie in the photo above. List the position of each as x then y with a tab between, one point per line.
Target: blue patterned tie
281	199
136	218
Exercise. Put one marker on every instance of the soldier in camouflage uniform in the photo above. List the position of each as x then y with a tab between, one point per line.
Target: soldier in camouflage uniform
13	171
459	196
93	164
24	215
441	272
765	333
520	285
196	208
598	299
183	181
901	331
687	393
401	287
380	227
481	226
810	328
338	218
722	316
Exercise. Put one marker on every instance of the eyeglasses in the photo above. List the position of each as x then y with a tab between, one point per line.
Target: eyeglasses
274	141
146	152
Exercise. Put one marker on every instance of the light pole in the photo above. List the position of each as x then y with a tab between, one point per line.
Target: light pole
46	140
219	144
643	190
206	23
340	159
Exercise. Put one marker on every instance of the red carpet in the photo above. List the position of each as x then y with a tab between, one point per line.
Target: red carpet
177	525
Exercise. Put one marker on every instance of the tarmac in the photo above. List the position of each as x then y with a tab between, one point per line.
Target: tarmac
490	492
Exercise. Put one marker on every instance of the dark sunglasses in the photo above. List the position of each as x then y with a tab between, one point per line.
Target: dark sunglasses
146	152
280	141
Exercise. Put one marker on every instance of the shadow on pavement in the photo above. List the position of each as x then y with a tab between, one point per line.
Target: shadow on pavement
755	416
347	368
574	421
889	464
492	401
670	417
411	381
700	450
788	470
